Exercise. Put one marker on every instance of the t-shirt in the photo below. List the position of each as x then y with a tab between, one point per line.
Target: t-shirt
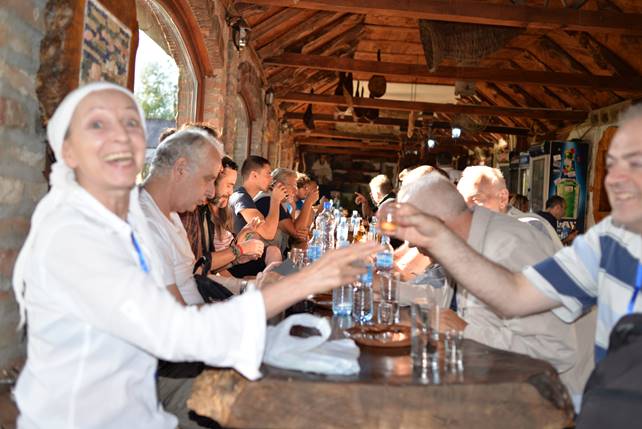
239	201
549	217
599	268
537	222
262	201
174	249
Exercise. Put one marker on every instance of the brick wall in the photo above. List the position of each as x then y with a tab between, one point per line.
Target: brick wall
21	150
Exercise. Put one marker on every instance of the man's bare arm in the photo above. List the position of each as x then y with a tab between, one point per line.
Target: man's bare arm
267	228
510	294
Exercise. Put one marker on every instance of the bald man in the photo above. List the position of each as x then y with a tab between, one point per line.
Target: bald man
485	186
513	245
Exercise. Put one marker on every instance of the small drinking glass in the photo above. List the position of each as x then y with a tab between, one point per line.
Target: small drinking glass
387	215
453	348
389	294
387	312
424	351
297	256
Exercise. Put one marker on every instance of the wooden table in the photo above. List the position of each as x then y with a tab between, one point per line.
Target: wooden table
497	389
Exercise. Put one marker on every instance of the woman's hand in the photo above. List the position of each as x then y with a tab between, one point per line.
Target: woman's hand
337	267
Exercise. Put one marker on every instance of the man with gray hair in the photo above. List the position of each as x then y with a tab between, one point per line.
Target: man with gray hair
513	245
485	186
182	176
381	190
183	171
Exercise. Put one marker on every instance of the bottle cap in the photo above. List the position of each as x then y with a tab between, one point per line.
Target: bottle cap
327	205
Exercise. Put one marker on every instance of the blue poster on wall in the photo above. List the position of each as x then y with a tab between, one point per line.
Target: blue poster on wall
568	179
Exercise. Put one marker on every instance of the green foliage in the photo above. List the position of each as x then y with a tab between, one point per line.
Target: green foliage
158	95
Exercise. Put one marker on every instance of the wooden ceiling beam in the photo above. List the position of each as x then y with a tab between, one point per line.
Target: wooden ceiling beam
334	134
300	31
443	140
476	12
352	152
320	142
449	75
403	124
375	103
508	121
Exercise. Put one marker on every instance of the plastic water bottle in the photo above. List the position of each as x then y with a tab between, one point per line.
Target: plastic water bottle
342	230
372	233
384	258
355	221
363	301
325	226
342	295
337	214
315	247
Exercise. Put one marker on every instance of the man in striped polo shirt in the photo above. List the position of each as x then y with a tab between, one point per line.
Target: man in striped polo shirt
601	268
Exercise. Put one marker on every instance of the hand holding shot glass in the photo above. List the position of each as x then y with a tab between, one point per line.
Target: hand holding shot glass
387	215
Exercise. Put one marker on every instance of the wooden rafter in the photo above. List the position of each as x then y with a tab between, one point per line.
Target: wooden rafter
299	32
403	124
524	112
479	13
352	152
334	134
320	142
448	75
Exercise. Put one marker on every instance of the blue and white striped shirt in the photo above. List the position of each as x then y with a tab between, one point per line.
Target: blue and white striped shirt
600	268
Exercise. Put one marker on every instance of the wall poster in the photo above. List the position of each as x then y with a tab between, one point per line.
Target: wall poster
106	44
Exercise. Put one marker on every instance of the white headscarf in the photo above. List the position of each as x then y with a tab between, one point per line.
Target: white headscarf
63	180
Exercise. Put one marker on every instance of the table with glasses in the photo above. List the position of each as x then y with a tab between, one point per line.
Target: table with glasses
495	389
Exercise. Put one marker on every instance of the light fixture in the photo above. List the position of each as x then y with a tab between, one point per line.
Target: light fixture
240	32
455	132
269	96
284	126
431	143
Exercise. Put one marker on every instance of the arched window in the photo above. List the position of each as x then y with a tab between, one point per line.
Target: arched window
156	87
156	22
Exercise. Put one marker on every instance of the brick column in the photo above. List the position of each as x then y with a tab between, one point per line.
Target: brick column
22	150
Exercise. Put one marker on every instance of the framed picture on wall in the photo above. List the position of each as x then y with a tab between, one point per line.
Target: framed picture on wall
105	48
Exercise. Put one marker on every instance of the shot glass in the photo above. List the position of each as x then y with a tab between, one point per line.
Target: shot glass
424	351
389	294
386	313
298	257
387	215
453	349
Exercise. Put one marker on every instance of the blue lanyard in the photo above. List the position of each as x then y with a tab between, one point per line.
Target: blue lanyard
638	285
141	257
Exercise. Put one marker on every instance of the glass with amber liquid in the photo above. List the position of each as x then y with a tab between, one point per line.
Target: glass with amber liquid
388	218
